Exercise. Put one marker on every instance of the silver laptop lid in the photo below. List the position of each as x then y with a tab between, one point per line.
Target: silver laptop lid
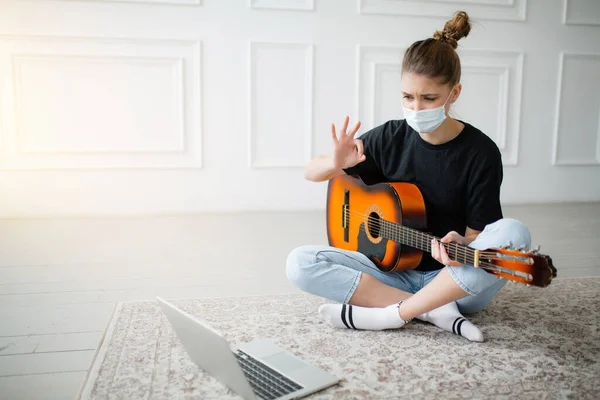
208	349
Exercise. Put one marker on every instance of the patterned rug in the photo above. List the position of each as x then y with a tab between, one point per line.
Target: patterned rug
540	344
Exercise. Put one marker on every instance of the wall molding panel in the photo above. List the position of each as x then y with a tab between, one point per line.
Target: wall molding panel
502	75
79	103
581	12
503	10
295	5
150	2
173	69
505	69
373	62
280	78
578	74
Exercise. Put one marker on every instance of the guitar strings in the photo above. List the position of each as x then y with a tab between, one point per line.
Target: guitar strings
459	253
395	228
470	260
398	229
482	264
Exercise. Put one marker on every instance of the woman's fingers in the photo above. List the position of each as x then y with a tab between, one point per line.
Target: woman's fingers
343	131
444	255
438	252
435	250
359	147
446	260
453	236
356	128
333	134
345	126
360	150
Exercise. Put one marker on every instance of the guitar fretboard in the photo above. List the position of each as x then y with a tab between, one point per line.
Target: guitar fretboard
422	241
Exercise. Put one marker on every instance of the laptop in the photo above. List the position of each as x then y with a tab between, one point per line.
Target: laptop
256	370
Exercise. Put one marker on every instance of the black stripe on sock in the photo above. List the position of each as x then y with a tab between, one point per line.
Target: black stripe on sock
454	324
458	326
350	316
344	316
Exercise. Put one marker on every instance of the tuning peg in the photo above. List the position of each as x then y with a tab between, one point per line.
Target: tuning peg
507	245
521	247
536	249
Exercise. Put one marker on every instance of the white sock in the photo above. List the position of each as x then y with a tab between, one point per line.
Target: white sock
355	317
450	319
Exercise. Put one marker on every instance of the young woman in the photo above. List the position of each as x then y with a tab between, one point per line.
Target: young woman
458	170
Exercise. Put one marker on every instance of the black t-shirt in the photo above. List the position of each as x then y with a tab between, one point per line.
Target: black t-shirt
459	180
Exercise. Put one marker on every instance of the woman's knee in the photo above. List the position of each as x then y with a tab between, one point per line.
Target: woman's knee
298	265
508	231
472	280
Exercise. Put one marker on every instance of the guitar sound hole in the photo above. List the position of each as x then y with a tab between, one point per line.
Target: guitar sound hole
374	225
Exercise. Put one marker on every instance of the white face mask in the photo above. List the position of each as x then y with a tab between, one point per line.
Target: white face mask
426	121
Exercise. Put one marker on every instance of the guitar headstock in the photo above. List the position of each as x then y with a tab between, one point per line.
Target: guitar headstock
528	267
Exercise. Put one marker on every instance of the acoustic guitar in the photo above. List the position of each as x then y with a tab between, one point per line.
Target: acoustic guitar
387	222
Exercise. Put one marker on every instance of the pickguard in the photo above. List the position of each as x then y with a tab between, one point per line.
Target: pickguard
374	251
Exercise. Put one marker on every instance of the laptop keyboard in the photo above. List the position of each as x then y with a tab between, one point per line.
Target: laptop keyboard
266	382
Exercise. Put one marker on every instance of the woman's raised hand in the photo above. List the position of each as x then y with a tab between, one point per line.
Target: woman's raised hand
348	151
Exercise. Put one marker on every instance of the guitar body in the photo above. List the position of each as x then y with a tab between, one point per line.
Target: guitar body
357	213
386	222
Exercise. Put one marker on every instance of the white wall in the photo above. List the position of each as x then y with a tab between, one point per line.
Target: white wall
169	106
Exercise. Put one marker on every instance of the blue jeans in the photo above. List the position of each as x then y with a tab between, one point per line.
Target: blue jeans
334	274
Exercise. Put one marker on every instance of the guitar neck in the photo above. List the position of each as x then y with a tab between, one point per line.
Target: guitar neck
422	241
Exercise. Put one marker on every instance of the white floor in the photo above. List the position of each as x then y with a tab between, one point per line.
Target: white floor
61	278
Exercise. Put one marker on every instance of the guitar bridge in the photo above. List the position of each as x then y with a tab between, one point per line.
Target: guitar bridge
346	216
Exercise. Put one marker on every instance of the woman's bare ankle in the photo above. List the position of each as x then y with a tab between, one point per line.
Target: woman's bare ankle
400	312
372	293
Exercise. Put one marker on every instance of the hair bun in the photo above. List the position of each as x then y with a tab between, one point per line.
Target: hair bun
455	29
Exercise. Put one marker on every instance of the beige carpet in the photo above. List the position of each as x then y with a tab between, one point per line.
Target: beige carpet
540	344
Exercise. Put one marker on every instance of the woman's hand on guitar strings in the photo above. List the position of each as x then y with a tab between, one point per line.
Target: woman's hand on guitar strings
348	151
439	253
